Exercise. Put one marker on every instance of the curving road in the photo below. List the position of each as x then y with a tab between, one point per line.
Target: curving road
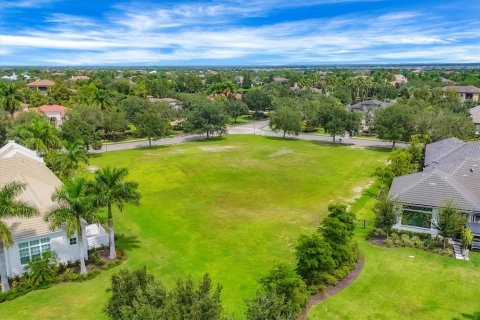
258	128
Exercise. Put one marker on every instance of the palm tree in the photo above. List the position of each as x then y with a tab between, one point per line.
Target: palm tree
74	205
39	135
111	189
11	97
102	98
67	161
10	206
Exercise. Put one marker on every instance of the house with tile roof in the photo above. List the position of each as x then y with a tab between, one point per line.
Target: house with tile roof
55	113
451	174
33	236
475	116
467	93
41	86
368	108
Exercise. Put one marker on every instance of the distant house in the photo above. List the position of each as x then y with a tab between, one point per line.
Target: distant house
55	113
368	108
173	103
475	115
448	82
79	78
399	79
280	80
41	86
32	236
239	80
467	93
13	77
451	174
257	81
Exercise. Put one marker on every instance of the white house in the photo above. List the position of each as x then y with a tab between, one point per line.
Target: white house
55	113
32	236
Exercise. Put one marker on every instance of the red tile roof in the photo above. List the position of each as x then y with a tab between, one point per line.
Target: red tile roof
53	108
41	83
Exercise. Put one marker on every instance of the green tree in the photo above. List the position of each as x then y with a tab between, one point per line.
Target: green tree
314	258
235	108
401	162
284	281
258	101
73	206
336	121
450	222
193	83
66	162
39	135
153	123
10	97
467	238
101	97
11	207
134	105
286	119
83	124
394	123
137	295
206	118
114	123
140	89
111	189
385	215
269	305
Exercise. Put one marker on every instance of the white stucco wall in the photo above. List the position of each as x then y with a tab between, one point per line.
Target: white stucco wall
56	115
59	243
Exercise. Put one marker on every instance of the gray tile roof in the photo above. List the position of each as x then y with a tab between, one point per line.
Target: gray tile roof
361	106
452	173
435	151
475	114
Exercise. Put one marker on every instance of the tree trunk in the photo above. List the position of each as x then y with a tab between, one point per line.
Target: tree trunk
333	138
149	142
284	133
111	234
234	119
393	145
83	268
208	134
3	269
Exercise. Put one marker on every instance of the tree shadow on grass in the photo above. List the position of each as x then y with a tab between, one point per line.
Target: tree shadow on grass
127	242
473	316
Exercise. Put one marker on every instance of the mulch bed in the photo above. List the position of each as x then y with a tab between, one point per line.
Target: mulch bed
331	290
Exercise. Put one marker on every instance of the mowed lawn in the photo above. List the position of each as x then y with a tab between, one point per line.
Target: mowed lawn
231	207
405	283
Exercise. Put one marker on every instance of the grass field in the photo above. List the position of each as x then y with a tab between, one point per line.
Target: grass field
233	208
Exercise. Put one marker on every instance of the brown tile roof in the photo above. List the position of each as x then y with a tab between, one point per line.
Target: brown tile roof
41	83
463	89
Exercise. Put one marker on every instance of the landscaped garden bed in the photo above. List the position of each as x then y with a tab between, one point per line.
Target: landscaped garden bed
44	273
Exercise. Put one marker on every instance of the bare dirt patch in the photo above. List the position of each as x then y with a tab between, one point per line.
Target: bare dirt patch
281	152
357	191
216	148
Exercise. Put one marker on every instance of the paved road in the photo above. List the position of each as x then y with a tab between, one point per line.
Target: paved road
258	128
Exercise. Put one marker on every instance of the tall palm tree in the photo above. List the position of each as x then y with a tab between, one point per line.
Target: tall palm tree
67	161
11	97
10	206
39	135
102	98
74	204
111	189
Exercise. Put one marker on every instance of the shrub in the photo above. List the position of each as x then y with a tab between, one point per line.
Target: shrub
329	279
417	242
96	258
388	243
43	270
406	241
284	281
269	305
342	272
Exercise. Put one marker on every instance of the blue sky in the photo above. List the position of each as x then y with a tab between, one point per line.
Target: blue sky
234	32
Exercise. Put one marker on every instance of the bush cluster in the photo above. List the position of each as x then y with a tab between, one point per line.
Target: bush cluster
408	239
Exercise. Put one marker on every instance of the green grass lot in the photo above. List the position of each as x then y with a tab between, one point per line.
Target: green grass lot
234	207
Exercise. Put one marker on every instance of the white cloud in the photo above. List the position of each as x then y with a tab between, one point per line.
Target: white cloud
198	32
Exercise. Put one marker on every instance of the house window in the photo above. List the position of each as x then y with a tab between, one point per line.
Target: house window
73	241
469	96
32	250
476	218
415	216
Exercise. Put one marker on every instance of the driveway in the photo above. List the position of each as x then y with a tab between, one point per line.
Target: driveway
257	128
